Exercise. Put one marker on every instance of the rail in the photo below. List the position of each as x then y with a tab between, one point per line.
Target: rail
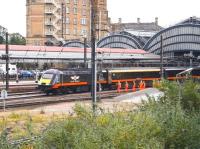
39	99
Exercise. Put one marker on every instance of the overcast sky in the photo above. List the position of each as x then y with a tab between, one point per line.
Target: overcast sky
169	12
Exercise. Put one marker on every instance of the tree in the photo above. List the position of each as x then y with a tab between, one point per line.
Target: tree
17	39
1	40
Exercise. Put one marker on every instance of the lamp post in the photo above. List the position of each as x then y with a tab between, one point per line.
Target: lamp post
161	58
85	51
93	55
62	14
100	75
7	63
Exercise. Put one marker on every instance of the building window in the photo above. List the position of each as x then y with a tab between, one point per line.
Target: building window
67	31
84	2
83	32
36	42
75	31
67	10
67	20
75	21
75	2
75	10
83	21
84	12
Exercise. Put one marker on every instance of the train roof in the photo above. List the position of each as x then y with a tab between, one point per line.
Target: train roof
72	71
144	69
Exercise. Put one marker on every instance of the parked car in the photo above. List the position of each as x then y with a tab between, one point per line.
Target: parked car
35	72
11	67
26	74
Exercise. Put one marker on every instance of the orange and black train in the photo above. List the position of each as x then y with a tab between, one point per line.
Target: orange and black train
79	80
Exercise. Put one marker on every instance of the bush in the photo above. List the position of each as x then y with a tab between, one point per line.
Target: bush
173	121
186	93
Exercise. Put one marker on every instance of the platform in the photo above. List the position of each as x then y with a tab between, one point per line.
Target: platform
137	97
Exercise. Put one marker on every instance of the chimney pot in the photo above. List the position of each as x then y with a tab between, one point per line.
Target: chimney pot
138	20
156	20
120	20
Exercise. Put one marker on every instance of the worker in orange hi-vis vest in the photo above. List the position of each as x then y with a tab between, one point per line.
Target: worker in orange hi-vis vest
119	87
126	86
134	87
144	85
141	85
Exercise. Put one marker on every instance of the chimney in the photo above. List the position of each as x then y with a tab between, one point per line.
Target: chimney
156	20
120	20
191	19
138	20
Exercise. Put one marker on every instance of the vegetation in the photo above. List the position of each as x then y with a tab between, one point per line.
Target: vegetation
14	39
17	39
1	40
173	121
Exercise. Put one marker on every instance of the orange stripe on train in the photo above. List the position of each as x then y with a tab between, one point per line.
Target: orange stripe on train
115	81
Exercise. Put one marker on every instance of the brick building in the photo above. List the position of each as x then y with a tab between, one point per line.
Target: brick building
51	21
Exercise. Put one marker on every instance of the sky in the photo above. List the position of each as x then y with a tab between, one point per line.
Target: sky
169	12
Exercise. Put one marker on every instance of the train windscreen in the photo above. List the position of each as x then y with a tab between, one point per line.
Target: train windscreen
47	76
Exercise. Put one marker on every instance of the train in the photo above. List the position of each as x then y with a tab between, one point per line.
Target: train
79	80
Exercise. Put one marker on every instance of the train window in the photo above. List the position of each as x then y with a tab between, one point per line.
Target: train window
101	77
47	76
57	79
135	75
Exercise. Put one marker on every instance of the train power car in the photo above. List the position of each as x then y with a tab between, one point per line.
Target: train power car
79	80
70	80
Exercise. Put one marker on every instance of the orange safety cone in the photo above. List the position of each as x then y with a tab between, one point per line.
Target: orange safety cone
119	87
134	87
126	86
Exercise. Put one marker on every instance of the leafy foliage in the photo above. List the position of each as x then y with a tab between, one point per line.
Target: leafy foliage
1	40
173	121
17	39
186	94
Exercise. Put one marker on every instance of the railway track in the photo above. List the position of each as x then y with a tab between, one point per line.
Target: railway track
15	101
20	88
23	93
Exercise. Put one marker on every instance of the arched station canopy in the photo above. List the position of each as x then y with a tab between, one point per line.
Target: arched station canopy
177	41
77	44
141	39
119	41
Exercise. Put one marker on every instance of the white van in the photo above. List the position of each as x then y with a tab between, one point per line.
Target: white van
12	69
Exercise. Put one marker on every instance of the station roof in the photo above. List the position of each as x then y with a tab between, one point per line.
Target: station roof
65	53
70	49
182	38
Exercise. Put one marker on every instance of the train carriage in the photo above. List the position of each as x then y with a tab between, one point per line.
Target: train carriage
79	80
